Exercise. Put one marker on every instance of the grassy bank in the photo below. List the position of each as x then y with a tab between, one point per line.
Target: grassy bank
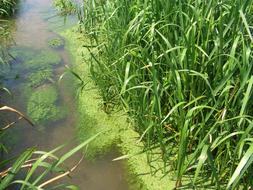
118	129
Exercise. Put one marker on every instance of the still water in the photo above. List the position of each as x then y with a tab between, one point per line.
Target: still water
32	27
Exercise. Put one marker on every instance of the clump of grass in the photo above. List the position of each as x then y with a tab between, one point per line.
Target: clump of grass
183	70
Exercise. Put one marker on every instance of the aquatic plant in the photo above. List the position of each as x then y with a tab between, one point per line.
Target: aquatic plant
32	169
182	69
26	59
41	106
40	77
45	59
21	53
56	43
65	6
117	127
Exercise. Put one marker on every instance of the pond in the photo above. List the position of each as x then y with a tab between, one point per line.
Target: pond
38	61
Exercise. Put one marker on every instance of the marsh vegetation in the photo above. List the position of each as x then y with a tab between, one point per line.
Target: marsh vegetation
181	71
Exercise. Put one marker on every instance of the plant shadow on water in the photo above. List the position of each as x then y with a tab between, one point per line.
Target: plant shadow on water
33	80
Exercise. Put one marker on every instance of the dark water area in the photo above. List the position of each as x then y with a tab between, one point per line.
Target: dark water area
32	28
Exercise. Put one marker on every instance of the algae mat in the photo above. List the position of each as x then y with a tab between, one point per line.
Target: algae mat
117	130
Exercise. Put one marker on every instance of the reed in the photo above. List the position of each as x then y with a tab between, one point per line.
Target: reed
183	70
7	7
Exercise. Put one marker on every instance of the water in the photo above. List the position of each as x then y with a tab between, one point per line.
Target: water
32	27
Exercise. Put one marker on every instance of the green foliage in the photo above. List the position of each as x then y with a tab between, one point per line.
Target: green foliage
7	7
182	69
41	105
65	6
44	164
56	43
117	130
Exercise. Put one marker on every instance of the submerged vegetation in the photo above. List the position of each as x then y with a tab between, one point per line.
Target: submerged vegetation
40	77
41	105
182	70
56	43
31	168
43	59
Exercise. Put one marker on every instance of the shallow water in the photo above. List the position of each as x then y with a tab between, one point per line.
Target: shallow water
33	26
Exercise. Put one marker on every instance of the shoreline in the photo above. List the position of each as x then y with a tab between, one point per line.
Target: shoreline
118	130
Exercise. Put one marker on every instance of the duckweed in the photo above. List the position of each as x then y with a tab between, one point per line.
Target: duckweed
116	127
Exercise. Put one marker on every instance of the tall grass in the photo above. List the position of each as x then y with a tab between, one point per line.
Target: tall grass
34	169
7	7
183	70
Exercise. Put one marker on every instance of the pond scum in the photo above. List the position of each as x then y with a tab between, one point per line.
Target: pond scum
182	70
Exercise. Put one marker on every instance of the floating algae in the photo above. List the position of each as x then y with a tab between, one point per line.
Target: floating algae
41	106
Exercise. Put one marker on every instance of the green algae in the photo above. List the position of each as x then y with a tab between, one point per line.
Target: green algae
43	60
117	130
41	106
56	43
38	66
40	77
26	59
21	53
92	120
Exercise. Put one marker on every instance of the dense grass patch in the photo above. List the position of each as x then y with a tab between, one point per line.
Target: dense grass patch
7	7
183	71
